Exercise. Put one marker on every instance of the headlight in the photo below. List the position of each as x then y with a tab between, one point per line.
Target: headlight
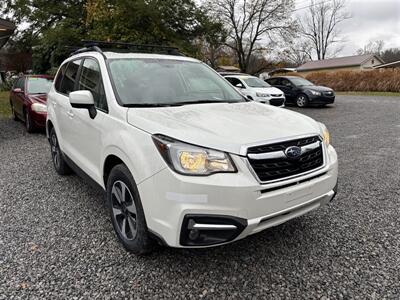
39	107
263	95
315	93
193	160
325	134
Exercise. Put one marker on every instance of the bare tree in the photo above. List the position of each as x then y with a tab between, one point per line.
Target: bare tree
391	55
296	52
373	47
250	23
211	44
320	26
258	64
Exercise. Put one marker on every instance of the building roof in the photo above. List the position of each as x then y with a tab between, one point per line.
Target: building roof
6	30
281	70
228	69
347	61
393	64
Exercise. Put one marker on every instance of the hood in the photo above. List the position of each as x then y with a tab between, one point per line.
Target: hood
222	126
318	88
40	98
269	90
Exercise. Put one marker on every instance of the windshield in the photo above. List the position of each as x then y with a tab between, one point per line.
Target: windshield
256	82
158	82
301	81
39	85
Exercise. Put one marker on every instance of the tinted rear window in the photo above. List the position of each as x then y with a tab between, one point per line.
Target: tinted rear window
273	81
69	77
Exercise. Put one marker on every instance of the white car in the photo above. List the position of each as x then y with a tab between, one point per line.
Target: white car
256	89
184	158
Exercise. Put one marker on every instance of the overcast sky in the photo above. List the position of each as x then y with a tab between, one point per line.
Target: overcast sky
371	20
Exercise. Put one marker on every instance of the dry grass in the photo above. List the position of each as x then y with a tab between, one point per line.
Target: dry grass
385	94
5	109
384	80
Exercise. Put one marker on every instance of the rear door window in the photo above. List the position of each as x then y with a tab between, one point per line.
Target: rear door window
286	83
274	81
69	77
90	80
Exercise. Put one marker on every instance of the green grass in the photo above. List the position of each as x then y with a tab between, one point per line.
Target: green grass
392	94
5	109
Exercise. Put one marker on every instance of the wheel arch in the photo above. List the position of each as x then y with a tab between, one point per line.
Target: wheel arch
49	126
109	163
302	93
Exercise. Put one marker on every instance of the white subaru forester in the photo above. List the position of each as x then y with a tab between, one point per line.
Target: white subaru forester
184	159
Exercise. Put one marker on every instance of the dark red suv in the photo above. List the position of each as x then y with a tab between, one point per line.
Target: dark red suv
28	99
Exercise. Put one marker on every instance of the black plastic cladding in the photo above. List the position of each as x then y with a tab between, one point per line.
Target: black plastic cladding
211	237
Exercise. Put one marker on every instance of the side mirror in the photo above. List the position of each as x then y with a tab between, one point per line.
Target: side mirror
17	90
83	99
239	85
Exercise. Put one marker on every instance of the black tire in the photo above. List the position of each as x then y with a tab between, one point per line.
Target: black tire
125	207
302	100
57	156
14	115
28	122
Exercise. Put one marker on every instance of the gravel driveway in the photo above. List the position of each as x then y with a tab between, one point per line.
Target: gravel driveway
56	239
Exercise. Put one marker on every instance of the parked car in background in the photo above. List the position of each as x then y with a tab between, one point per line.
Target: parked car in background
302	92
188	161
256	89
28	100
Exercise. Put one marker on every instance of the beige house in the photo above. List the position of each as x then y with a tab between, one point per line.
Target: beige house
347	63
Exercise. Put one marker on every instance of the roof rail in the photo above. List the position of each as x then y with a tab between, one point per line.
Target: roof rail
99	46
87	49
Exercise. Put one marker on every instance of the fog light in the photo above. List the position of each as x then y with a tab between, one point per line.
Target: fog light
194	234
205	230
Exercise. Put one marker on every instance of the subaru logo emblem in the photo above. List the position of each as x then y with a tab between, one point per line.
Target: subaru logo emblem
293	152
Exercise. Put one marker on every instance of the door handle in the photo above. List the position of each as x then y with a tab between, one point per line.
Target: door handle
70	114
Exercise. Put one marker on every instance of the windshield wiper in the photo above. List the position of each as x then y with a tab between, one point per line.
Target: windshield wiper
146	104
178	103
202	102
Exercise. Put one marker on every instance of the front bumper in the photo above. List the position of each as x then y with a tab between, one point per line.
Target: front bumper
318	100
280	101
39	119
169	199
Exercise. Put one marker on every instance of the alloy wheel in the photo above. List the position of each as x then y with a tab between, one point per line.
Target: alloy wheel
301	101
55	151
124	210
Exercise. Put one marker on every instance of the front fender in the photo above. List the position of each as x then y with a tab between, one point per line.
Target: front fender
137	151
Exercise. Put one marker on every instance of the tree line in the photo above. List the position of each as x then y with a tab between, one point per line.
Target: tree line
241	32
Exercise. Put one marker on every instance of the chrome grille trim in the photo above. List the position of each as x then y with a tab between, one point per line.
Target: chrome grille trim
244	149
281	154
